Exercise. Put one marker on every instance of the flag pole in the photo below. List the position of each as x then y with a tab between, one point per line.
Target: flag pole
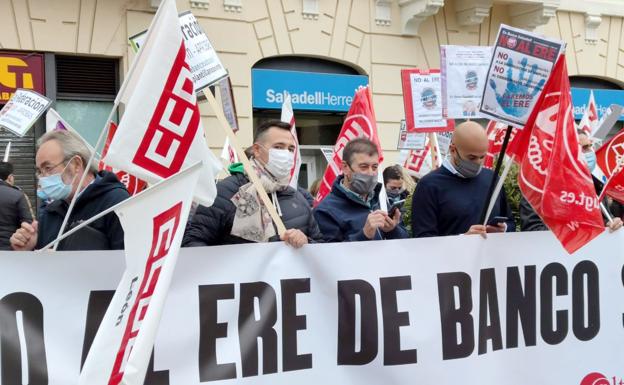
499	162
433	148
7	152
499	186
251	173
606	213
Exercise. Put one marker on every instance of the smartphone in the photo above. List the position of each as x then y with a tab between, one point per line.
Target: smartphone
395	206
496	220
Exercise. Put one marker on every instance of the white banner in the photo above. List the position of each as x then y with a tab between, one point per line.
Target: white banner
510	309
201	56
463	72
22	111
521	64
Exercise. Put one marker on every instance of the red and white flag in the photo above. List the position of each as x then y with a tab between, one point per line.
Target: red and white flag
133	184
417	162
153	223
496	136
359	123
288	116
589	121
160	132
553	176
610	160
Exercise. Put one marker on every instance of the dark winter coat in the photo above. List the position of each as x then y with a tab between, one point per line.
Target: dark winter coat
213	225
342	217
13	211
105	233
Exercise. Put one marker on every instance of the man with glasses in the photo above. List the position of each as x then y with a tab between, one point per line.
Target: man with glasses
60	161
351	211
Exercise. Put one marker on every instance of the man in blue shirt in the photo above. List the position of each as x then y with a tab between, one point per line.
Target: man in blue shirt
449	200
350	212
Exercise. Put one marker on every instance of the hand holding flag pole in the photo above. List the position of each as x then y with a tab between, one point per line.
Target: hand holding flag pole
491	195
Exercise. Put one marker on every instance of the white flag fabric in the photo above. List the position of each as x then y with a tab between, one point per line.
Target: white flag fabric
589	121
153	223
288	116
160	132
54	122
228	154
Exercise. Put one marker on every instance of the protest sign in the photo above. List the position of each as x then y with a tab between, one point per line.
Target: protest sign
520	65
161	131
422	99
22	111
227	102
463	73
456	310
201	56
410	140
328	152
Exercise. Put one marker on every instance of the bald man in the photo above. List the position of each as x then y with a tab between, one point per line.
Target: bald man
449	200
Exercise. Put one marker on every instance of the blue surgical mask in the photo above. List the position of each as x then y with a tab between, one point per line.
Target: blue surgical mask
53	187
590	158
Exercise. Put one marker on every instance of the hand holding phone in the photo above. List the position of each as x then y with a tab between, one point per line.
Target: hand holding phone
496	220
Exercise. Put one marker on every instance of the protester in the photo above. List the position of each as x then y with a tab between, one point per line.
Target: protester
60	162
449	200
350	212
394	182
13	206
530	221
238	215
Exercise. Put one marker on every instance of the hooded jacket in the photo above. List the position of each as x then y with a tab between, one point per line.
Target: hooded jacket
213	225
13	211
104	234
341	217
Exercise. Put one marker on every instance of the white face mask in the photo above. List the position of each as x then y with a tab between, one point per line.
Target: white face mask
280	163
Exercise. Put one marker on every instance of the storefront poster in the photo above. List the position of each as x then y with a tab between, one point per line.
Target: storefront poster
422	98
20	70
205	65
463	73
22	111
520	65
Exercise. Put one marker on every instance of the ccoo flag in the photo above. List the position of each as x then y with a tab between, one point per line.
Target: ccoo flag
160	132
359	123
153	223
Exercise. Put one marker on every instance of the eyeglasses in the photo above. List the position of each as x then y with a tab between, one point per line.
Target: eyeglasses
48	169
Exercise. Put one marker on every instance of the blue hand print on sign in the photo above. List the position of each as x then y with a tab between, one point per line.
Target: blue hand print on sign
516	100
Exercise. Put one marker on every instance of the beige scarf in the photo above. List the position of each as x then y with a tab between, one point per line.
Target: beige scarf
252	220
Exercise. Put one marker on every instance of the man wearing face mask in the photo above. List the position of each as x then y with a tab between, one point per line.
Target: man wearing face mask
239	216
395	186
60	163
350	212
13	206
530	221
449	200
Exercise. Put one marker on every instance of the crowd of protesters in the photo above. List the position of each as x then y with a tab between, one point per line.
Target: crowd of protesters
447	201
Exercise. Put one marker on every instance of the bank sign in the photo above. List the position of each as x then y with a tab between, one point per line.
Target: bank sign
604	98
308	90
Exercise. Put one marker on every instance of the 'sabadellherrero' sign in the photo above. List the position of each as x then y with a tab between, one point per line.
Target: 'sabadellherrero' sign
512	309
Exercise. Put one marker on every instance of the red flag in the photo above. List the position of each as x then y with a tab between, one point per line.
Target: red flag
133	184
496	135
610	159
360	122
553	175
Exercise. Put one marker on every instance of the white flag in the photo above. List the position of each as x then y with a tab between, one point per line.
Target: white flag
160	132
153	223
54	122
228	154
288	116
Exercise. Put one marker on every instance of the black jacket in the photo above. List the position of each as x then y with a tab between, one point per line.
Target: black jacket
213	225
13	211
104	234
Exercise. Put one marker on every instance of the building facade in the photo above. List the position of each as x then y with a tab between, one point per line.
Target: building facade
84	44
